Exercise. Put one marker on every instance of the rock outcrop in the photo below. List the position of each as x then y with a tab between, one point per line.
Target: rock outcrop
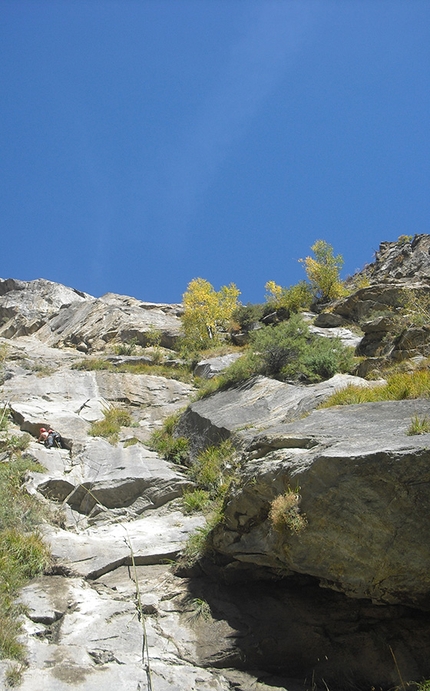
337	593
62	316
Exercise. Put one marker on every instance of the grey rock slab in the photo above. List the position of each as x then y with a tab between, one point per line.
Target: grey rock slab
255	405
348	337
62	417
111	476
29	304
46	599
70	400
364	488
88	638
94	551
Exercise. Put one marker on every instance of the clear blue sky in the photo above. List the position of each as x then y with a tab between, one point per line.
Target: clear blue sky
145	143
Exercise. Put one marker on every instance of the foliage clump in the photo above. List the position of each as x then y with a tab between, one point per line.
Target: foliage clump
246	316
207	312
419	425
22	552
171	447
286	351
399	386
415	308
292	300
323	272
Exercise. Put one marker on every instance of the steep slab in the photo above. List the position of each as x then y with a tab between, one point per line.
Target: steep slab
102	476
157	537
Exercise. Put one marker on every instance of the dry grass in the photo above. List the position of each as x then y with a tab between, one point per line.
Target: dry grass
285	512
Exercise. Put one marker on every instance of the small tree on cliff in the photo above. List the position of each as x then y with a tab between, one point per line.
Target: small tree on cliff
323	271
293	299
206	312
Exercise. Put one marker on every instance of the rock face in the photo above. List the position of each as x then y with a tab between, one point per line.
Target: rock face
62	316
408	259
334	593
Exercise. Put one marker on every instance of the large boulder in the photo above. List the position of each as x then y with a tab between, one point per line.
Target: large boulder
361	484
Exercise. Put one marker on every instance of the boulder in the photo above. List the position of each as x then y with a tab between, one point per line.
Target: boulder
328	320
362	485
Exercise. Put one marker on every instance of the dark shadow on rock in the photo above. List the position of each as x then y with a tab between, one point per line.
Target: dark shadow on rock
293	628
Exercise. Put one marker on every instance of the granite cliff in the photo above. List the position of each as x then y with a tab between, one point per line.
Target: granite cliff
341	599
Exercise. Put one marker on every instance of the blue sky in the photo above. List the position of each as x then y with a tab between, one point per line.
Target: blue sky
146	143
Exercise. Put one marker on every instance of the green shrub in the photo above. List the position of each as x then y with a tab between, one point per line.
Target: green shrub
247	315
325	357
280	348
164	442
286	350
294	299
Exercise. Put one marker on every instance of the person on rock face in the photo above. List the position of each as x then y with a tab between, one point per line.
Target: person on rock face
52	439
43	435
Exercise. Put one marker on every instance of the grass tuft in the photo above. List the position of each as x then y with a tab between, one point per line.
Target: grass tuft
285	512
419	425
109	427
195	500
164	442
22	553
399	386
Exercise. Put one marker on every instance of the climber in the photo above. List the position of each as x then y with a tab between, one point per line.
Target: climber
53	439
43	434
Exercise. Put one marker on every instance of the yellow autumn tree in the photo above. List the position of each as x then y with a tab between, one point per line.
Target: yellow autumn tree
206	312
323	271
